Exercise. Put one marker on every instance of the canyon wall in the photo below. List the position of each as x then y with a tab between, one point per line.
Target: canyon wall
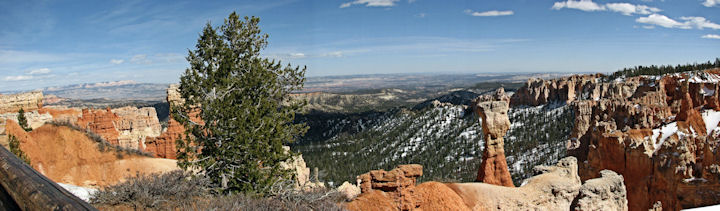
29	101
659	132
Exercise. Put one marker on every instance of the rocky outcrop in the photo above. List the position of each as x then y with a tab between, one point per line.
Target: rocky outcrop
553	188
135	125
604	193
28	101
349	191
495	123
101	122
34	118
300	172
164	146
398	183
660	133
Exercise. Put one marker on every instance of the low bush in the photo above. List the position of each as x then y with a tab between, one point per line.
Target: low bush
182	191
172	189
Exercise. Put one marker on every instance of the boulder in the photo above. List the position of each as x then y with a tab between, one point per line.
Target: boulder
604	193
348	191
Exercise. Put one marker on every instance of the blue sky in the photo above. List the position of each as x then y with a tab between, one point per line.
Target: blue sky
51	43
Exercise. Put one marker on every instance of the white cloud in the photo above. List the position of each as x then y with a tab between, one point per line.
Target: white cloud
297	55
648	27
371	3
333	54
40	71
630	9
140	59
584	5
18	78
660	20
689	22
116	61
711	36
710	3
489	13
622	8
421	15
699	23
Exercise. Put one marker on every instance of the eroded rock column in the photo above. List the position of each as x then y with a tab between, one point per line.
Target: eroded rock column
495	123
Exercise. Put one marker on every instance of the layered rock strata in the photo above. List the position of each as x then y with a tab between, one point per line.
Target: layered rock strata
29	101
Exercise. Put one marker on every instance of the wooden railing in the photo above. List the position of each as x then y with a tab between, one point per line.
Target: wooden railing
23	188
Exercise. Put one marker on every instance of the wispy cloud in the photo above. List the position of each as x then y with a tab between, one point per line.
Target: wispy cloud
420	15
584	5
711	3
687	22
117	61
630	9
18	78
140	59
370	3
489	13
11	56
622	8
38	71
712	36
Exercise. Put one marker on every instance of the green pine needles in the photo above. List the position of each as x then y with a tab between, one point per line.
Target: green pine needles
15	149
22	120
237	110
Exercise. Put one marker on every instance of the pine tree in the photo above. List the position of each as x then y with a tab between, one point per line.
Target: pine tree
244	103
22	121
15	149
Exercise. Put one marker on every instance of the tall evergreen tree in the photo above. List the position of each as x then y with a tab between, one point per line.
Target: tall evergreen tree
237	110
22	121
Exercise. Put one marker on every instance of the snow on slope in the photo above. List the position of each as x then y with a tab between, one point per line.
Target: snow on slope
81	192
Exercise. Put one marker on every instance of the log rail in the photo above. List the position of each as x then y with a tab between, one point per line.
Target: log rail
23	188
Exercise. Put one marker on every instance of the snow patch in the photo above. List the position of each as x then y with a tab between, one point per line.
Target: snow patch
707	92
81	192
711	119
664	132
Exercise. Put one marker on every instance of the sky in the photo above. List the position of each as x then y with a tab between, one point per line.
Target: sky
54	43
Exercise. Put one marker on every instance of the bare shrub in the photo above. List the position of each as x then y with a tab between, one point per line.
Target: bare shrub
172	189
180	191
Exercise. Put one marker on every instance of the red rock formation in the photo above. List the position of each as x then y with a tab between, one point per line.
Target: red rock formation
495	123
651	131
164	145
101	122
398	183
555	188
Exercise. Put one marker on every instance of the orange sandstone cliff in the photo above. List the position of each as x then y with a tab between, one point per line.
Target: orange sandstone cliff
69	156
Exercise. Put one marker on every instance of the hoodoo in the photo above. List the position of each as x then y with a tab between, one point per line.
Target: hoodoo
495	123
